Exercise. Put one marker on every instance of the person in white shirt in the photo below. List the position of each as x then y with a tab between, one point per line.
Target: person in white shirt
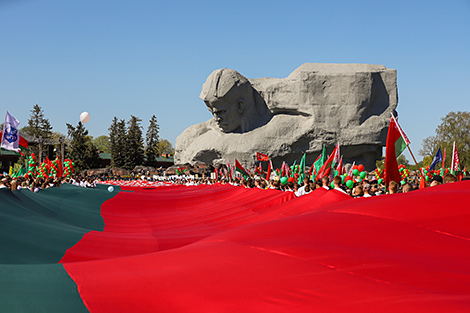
337	184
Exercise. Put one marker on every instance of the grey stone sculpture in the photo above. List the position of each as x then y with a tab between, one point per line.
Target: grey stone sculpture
286	117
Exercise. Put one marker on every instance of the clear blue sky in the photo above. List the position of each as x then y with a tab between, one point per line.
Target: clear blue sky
117	58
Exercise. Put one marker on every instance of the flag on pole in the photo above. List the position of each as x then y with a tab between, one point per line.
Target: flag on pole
301	170
313	166
320	161
239	168
350	173
270	167
455	164
437	159
402	142
444	160
326	167
396	143
10	135
262	157
339	168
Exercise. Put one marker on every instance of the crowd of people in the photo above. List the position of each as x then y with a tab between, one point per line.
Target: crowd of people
362	187
39	183
367	187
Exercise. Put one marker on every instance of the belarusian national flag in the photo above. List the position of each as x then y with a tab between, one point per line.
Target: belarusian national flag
239	168
455	164
339	168
396	143
326	168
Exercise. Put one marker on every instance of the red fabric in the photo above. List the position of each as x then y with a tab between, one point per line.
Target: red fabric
391	165
270	167
230	249
262	157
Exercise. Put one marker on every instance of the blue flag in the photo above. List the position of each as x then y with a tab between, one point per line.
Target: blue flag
437	159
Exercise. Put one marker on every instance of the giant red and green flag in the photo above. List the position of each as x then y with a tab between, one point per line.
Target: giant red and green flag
397	142
220	248
239	168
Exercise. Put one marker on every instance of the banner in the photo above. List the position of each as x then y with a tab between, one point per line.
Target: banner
10	137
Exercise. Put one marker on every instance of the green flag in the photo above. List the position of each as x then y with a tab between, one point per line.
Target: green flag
301	170
318	164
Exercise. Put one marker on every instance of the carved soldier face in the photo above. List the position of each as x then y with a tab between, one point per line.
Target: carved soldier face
228	112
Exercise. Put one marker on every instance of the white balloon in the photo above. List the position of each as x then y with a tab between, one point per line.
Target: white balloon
84	117
110	188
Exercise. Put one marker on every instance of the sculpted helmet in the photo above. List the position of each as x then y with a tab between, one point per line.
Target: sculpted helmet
221	82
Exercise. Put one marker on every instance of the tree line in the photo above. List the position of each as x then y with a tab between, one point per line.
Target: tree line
125	142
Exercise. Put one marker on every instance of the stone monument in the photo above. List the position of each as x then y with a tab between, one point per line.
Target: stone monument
286	117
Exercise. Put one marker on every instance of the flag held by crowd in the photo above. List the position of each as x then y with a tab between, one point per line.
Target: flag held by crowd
397	142
10	136
437	159
262	157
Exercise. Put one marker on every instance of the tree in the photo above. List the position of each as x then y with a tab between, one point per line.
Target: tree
39	127
81	150
134	144
164	146
117	140
455	126
102	143
152	141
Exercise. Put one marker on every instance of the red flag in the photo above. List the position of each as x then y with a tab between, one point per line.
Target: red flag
325	169
391	165
262	157
270	167
455	164
444	159
339	168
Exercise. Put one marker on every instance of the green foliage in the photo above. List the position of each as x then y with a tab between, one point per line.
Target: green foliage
117	140
134	144
81	149
402	160
455	126
164	146
39	127
152	141
102	143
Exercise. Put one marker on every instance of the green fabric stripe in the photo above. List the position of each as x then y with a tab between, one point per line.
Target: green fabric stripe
400	146
38	288
40	227
36	229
